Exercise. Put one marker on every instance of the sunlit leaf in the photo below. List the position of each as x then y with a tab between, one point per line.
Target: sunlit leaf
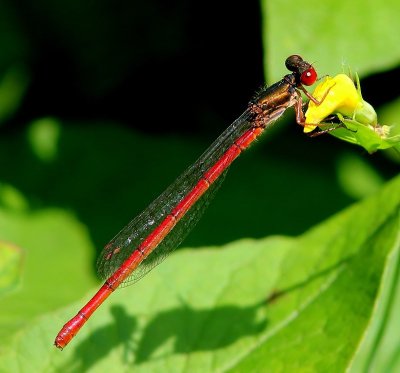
267	305
333	34
10	267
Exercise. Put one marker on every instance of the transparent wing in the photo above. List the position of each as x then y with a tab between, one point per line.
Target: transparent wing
130	237
177	235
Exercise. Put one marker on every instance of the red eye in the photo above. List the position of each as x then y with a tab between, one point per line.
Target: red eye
309	76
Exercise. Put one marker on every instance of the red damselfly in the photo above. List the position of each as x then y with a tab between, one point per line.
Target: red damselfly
159	229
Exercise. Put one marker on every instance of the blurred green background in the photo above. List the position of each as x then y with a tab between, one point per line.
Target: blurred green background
103	104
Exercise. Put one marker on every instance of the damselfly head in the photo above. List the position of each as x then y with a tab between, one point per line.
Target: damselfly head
307	73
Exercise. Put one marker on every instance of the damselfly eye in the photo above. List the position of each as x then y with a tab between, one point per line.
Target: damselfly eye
308	77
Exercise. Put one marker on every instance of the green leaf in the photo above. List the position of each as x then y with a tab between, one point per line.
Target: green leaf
335	34
10	267
366	136
52	242
379	351
277	304
389	114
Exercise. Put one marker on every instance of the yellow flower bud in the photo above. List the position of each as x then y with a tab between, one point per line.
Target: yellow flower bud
338	95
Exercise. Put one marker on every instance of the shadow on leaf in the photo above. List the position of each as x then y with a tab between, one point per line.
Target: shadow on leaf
99	344
199	330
